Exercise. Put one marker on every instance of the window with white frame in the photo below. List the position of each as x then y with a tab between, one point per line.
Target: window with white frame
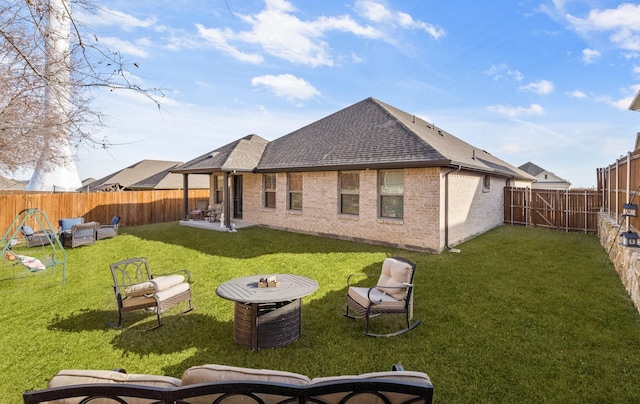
270	191
391	193
349	192
294	191
218	184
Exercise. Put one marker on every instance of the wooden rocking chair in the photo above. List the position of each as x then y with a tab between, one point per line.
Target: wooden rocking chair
393	294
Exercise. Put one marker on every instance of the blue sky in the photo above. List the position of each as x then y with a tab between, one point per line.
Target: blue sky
543	81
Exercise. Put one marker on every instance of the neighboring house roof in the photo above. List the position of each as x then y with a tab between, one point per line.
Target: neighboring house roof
8	184
532	169
241	155
372	134
542	175
146	174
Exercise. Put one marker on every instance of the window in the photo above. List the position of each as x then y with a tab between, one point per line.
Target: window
349	193
218	184
295	191
270	191
391	191
486	183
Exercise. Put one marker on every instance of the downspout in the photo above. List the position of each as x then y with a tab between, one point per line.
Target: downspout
446	210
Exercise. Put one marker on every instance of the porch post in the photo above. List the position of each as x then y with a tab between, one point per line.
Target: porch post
227	200
185	197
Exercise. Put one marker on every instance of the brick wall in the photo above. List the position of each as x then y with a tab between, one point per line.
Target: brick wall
472	211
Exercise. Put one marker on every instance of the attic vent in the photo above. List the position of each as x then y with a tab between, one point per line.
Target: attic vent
440	133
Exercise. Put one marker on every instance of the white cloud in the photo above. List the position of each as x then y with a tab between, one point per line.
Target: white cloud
589	55
278	32
126	47
513	112
378	13
623	22
287	86
577	94
498	72
105	17
542	87
219	39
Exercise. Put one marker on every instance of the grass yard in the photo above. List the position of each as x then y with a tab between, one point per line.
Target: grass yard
519	315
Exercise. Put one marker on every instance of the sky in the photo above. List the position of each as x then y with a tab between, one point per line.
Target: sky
547	82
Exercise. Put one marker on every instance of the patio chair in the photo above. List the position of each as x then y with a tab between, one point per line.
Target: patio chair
108	230
136	288
393	294
80	234
39	238
201	209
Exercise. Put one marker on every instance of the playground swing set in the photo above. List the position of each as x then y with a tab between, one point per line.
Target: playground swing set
31	246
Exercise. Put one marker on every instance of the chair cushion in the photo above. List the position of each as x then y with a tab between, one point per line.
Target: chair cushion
69	377
149	300
115	220
219	373
381	300
394	273
149	287
27	230
67	224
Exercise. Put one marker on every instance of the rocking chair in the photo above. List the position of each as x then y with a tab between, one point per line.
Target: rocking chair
393	294
136	289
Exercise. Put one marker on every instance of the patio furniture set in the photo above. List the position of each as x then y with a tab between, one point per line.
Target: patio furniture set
267	314
203	211
73	232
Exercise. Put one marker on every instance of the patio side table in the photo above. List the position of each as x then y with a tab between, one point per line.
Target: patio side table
267	317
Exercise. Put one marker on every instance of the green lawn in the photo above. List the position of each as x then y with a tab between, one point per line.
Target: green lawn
519	315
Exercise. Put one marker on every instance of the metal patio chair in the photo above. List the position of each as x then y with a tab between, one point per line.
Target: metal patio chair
393	294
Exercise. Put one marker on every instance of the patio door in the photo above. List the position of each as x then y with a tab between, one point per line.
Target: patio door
237	196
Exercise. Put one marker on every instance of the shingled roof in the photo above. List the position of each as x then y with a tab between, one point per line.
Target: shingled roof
145	174
372	134
241	155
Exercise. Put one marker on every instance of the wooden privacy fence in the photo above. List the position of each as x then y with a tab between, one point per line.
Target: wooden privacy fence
568	210
134	207
620	184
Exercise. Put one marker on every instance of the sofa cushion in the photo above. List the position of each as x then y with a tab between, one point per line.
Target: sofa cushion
67	224
394	273
404	376
69	377
149	287
219	373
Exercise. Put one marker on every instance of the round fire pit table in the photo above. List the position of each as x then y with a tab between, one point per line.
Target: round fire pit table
269	316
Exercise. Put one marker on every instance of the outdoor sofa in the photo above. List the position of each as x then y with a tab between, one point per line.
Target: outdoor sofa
228	384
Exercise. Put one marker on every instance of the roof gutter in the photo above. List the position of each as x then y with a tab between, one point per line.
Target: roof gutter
446	209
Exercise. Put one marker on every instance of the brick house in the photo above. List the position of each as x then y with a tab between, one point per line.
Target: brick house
369	173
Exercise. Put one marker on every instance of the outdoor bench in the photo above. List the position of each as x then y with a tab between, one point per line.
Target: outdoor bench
228	384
